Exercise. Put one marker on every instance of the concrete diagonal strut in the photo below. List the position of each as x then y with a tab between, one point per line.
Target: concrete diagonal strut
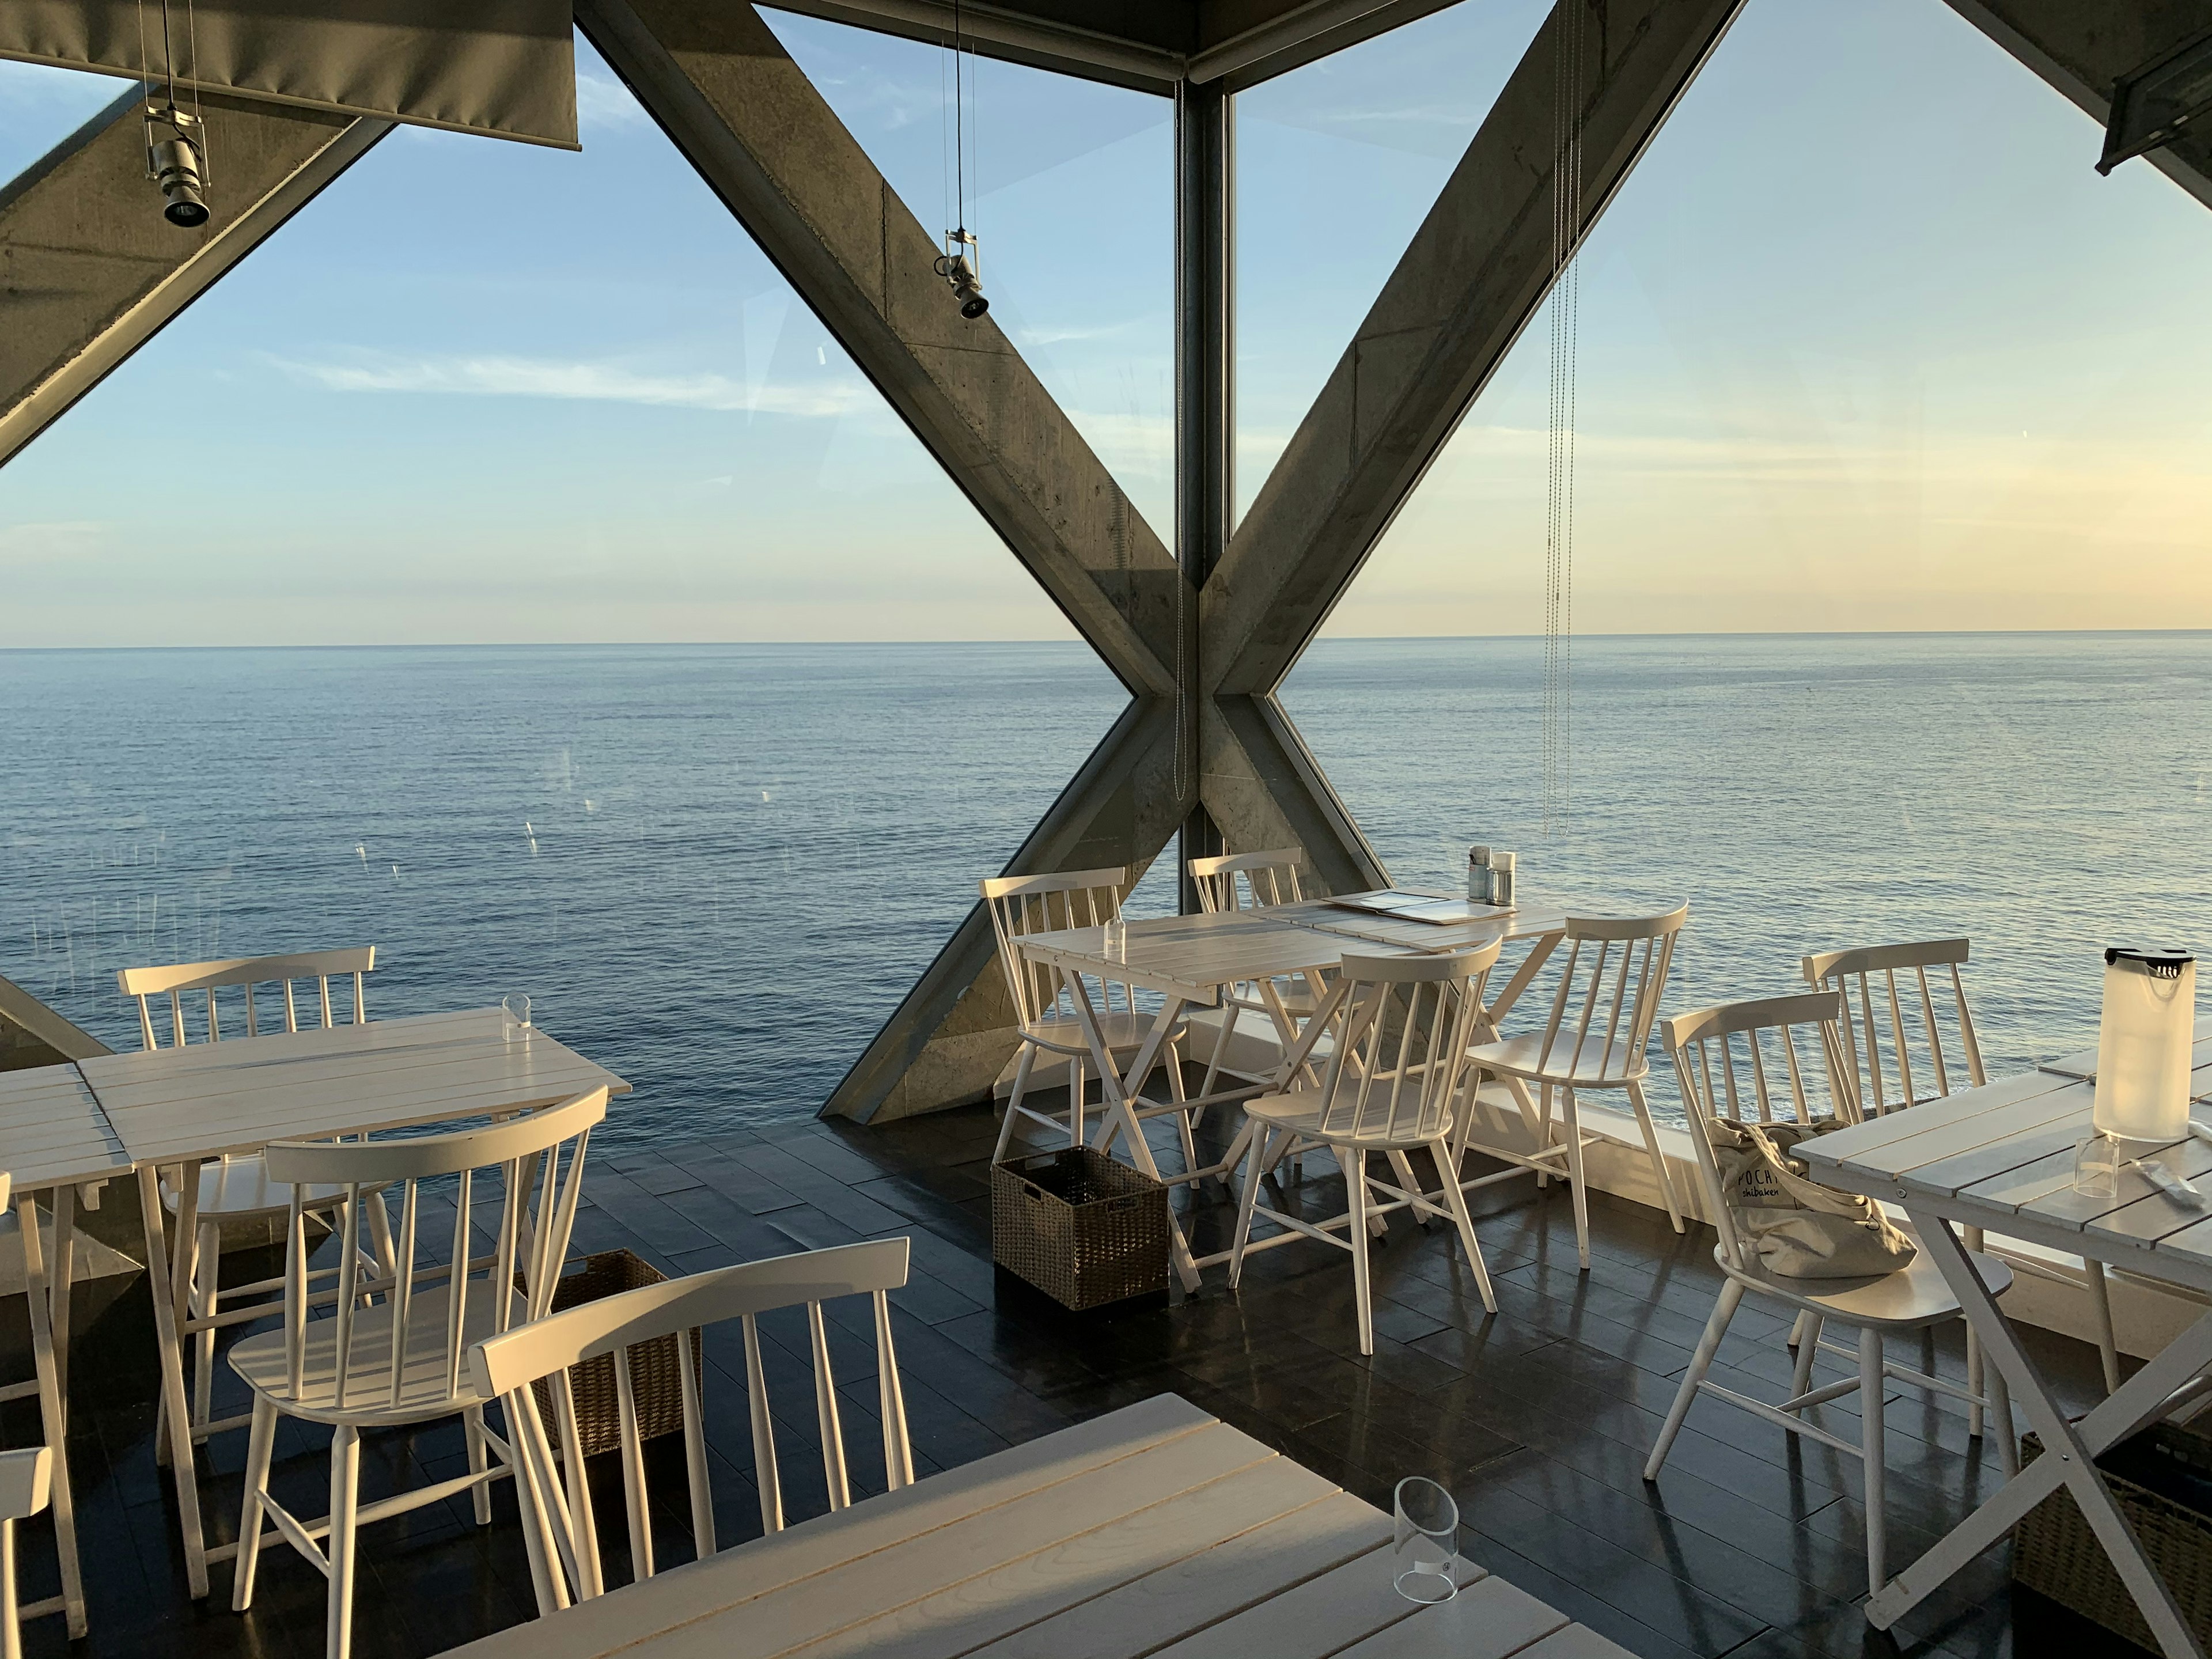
770	146
1472	278
89	269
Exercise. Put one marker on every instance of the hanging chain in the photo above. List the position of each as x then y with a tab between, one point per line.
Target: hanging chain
1559	460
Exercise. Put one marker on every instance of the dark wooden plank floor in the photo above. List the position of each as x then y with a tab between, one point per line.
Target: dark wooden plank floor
1538	1418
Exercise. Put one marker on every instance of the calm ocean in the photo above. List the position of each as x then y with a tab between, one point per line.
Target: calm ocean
717	868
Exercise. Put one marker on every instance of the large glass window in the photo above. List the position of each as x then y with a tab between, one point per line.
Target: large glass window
474	572
1884	394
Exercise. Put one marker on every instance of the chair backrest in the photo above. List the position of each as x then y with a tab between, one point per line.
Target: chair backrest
1022	905
537	1161
25	1479
1889	1019
618	1325
1751	1061
1600	1023
1400	1027
175	979
1268	879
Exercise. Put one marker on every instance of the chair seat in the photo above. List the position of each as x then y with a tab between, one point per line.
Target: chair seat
1299	1111
1585	1067
1124	1033
260	1361
232	1189
1914	1296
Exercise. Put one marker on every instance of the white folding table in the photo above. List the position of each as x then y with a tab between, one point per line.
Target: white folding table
2001	1157
1190	961
1154	1531
172	1109
54	1139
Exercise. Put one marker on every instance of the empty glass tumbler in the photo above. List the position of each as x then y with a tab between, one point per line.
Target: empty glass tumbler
515	1018
1424	1540
1117	940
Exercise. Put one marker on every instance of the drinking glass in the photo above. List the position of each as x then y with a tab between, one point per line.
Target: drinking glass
1424	1540
515	1018
1117	940
2097	1162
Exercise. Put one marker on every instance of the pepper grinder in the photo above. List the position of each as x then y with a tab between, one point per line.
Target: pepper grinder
1478	875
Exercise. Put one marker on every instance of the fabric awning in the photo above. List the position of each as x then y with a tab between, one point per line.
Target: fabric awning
503	67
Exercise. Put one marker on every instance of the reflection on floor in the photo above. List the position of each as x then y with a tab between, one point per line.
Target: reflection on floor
1538	1418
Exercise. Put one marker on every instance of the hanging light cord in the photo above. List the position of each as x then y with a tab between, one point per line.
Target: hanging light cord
1559	502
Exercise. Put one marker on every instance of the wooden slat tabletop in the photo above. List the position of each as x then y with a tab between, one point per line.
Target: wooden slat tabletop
177	1104
52	1132
1191	956
2002	1156
1157	1529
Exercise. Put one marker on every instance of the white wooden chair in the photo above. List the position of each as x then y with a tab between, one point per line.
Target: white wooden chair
1400	1027
1737	1060
1877	1021
402	1362
1596	1038
558	1511
1022	905
236	1187
1254	881
26	1476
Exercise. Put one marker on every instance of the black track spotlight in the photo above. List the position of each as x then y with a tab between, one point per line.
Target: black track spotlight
961	272
172	157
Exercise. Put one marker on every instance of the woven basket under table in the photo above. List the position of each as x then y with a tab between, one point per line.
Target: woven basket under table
1081	1227
2162	1479
653	1379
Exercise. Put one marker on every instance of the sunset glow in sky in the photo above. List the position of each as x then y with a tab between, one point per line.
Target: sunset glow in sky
1865	344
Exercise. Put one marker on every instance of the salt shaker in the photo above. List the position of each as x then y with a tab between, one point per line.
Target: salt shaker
1478	875
1501	878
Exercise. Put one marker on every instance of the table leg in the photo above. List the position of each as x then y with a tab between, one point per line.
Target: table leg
1120	1116
2068	1460
162	1273
1523	977
53	1413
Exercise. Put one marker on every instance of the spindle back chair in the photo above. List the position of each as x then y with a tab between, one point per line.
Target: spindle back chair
1399	1029
26	1478
1910	1029
561	1514
171	981
1783	1059
1268	879
403	1361
1021	905
1594	1036
236	1187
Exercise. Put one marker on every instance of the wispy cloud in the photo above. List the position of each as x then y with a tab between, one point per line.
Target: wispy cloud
584	381
605	103
51	543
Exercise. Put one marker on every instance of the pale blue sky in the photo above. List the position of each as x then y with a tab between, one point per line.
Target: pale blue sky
1865	342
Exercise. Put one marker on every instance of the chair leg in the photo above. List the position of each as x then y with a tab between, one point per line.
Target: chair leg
479	1461
260	1442
1543	1129
1999	1399
1808	1346
2100	1304
1730	1299
1354	1165
1457	1199
207	1298
1871	1384
345	1495
11	1625
1263	1145
1076	1070
1658	1162
1572	1112
1014	1103
1974	1367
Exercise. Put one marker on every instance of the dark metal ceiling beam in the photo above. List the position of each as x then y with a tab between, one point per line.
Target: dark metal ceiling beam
2080	47
1472	276
1242	52
1039	41
89	269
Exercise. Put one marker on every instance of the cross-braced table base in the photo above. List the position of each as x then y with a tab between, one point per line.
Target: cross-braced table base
2172	1380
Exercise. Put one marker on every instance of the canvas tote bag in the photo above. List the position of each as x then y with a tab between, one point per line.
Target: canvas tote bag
1798	1228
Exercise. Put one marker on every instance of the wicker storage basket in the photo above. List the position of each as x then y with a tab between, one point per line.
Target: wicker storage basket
653	1375
1083	1229
2163	1480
